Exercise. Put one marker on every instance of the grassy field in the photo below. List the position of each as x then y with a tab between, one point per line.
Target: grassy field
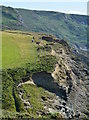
17	50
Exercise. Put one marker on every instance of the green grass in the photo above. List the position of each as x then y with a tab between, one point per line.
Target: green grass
17	50
34	94
11	115
7	92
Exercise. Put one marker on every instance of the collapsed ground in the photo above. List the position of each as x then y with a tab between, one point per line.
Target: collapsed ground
52	82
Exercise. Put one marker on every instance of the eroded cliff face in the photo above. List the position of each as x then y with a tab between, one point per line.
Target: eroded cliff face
67	82
71	76
56	85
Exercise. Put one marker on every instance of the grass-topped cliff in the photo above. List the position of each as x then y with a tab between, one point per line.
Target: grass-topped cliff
18	49
45	78
39	78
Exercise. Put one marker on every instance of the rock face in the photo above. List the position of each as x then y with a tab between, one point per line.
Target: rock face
71	76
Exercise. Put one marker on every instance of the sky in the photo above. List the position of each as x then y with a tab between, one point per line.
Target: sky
74	7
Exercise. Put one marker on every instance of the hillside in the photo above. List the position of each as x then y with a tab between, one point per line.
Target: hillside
52	85
46	78
72	28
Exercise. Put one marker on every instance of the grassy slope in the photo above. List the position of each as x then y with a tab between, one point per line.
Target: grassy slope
17	49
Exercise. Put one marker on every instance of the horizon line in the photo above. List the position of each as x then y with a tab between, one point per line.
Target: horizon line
63	12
